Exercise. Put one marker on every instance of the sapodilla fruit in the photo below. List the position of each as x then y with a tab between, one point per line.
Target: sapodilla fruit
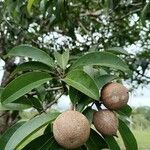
114	96
106	122
71	129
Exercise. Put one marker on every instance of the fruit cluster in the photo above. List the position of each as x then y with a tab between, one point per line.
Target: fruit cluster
71	129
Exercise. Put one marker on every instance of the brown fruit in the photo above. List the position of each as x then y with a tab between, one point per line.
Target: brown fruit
71	129
106	122
114	96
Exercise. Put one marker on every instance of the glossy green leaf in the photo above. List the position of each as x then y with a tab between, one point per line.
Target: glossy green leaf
112	143
22	85
36	104
95	141
103	59
6	136
29	128
82	82
31	65
127	136
88	112
104	79
144	13
117	50
125	111
62	59
19	104
39	142
31	52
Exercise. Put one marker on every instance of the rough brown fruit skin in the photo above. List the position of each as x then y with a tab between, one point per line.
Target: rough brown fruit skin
114	96
71	129
106	122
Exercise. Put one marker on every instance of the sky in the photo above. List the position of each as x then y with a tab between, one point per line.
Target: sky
140	97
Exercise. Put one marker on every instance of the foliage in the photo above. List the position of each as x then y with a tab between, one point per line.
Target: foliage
59	25
72	78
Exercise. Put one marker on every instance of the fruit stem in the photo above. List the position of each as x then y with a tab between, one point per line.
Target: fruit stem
98	105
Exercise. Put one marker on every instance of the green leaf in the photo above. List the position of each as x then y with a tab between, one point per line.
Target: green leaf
41	92
112	143
31	52
127	136
103	59
6	136
117	50
104	79
95	141
36	104
29	5
88	112
62	59
22	85
125	111
39	142
31	65
144	13
74	95
99	76
82	82
79	99
19	104
28	129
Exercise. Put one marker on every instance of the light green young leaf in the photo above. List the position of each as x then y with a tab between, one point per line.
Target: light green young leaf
82	82
62	59
102	59
127	136
29	5
31	52
28	129
22	85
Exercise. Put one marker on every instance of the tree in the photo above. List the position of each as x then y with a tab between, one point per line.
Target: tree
72	28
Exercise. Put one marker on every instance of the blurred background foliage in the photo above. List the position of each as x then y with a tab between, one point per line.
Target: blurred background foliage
79	26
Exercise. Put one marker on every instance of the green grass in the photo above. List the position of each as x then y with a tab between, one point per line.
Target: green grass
142	137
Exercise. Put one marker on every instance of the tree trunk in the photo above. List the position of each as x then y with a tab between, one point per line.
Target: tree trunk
5	117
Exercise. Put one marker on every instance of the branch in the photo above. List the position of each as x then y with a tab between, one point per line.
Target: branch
48	89
128	14
53	102
142	74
